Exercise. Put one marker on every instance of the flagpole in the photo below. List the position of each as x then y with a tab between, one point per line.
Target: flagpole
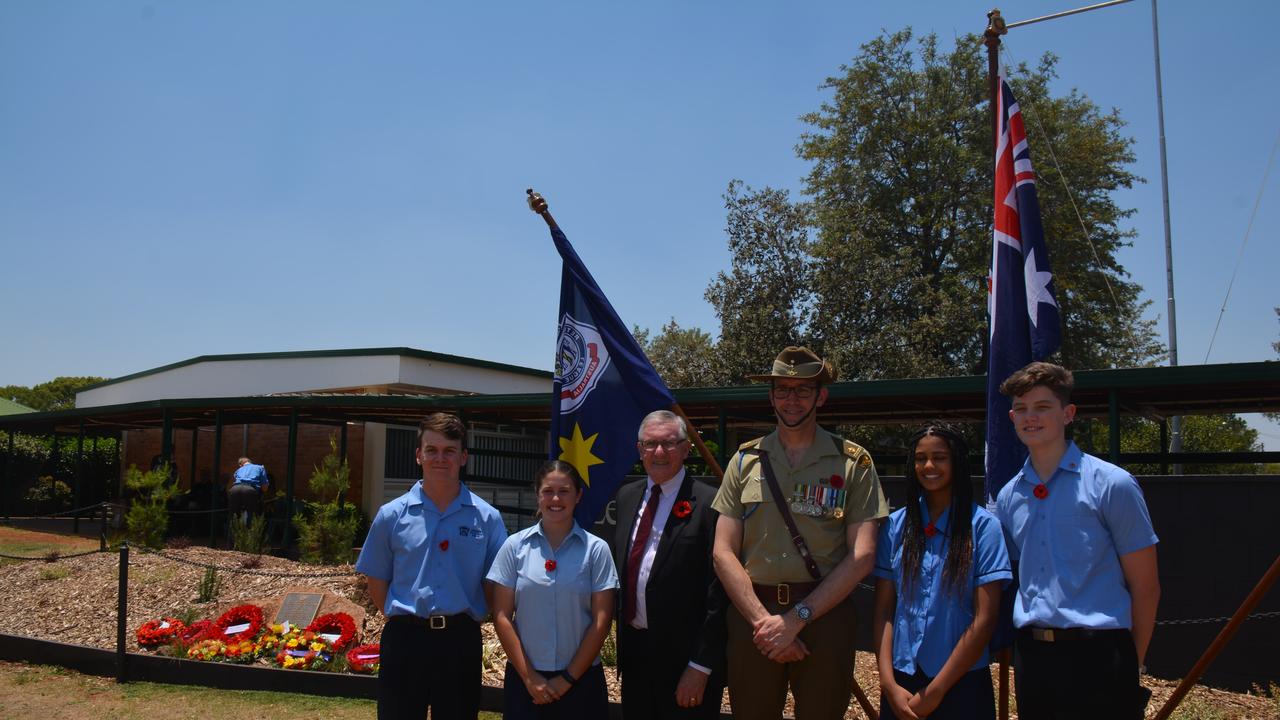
703	450
991	38
538	204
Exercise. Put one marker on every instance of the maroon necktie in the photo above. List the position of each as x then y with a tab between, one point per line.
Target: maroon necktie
637	553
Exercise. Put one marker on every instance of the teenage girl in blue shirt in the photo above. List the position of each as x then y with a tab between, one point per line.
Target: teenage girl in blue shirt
941	564
553	593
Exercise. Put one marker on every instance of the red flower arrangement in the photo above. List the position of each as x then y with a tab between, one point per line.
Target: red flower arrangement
154	633
836	481
250	615
193	633
303	650
365	659
1040	491
682	509
550	565
340	624
444	545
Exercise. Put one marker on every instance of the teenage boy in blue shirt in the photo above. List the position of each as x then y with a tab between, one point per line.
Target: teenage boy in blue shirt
425	560
1079	531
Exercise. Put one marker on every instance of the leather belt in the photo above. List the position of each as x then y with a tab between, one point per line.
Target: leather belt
1041	634
435	622
783	594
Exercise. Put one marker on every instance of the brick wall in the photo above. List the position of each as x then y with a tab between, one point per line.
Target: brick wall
268	445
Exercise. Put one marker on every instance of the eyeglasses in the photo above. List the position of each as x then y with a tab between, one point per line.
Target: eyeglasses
804	392
668	445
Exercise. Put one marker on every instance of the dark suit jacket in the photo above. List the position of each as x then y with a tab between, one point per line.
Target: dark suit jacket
684	601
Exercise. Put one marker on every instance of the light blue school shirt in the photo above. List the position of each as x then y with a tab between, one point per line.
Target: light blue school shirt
1068	545
929	618
407	548
553	607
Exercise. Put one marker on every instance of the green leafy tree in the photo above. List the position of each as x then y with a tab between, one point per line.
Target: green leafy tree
684	357
1200	433
147	519
765	300
327	530
883	266
57	394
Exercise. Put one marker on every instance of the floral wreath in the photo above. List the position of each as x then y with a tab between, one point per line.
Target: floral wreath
339	623
238	615
193	633
303	650
154	633
207	649
365	659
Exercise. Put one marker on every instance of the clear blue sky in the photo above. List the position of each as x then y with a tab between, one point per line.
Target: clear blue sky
188	178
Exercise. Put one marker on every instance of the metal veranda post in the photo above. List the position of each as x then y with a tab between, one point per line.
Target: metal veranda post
216	474
79	480
291	468
122	614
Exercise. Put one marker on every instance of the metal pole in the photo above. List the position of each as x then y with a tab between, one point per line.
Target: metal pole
722	435
216	474
122	614
1175	442
289	477
1113	425
76	493
1065	13
195	438
342	441
8	478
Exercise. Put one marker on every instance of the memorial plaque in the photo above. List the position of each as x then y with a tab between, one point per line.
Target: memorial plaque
298	609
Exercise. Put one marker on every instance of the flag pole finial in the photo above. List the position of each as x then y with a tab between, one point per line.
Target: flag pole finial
995	24
538	204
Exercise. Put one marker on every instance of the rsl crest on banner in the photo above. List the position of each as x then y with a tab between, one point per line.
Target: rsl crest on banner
581	360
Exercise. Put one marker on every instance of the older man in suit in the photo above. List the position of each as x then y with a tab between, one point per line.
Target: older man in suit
671	632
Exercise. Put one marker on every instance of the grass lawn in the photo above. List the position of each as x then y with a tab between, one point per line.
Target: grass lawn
40	692
28	543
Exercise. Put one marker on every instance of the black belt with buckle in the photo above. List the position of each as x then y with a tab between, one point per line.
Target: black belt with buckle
783	594
435	622
1042	634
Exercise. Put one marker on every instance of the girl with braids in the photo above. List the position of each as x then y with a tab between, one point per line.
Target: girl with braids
940	566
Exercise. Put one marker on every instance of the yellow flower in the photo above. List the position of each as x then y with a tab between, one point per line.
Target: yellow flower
317	646
293	642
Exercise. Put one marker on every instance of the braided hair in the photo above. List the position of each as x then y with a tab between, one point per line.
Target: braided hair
959	560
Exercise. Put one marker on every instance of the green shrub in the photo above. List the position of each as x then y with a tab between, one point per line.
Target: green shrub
327	530
249	537
207	591
48	492
148	515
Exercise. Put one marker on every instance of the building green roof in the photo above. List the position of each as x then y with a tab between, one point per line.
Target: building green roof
9	407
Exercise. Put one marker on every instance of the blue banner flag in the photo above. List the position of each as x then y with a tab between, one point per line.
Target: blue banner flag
1024	317
604	386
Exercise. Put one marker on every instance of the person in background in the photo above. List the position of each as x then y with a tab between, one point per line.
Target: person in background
248	485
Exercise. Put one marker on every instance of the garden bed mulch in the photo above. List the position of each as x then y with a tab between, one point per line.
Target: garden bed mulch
74	601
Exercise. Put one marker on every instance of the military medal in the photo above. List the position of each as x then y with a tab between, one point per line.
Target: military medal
818	501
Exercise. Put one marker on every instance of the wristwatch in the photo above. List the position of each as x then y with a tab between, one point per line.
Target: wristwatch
804	612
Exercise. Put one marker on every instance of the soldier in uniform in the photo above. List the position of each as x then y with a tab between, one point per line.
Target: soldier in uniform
796	534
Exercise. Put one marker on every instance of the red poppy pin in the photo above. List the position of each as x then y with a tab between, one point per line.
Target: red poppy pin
683	508
1040	491
836	481
930	530
444	545
550	565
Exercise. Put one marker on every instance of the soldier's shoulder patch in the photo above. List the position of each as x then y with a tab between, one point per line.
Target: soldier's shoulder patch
855	451
750	445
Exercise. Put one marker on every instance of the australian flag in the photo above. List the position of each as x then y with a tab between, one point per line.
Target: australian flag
604	386
1024	317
